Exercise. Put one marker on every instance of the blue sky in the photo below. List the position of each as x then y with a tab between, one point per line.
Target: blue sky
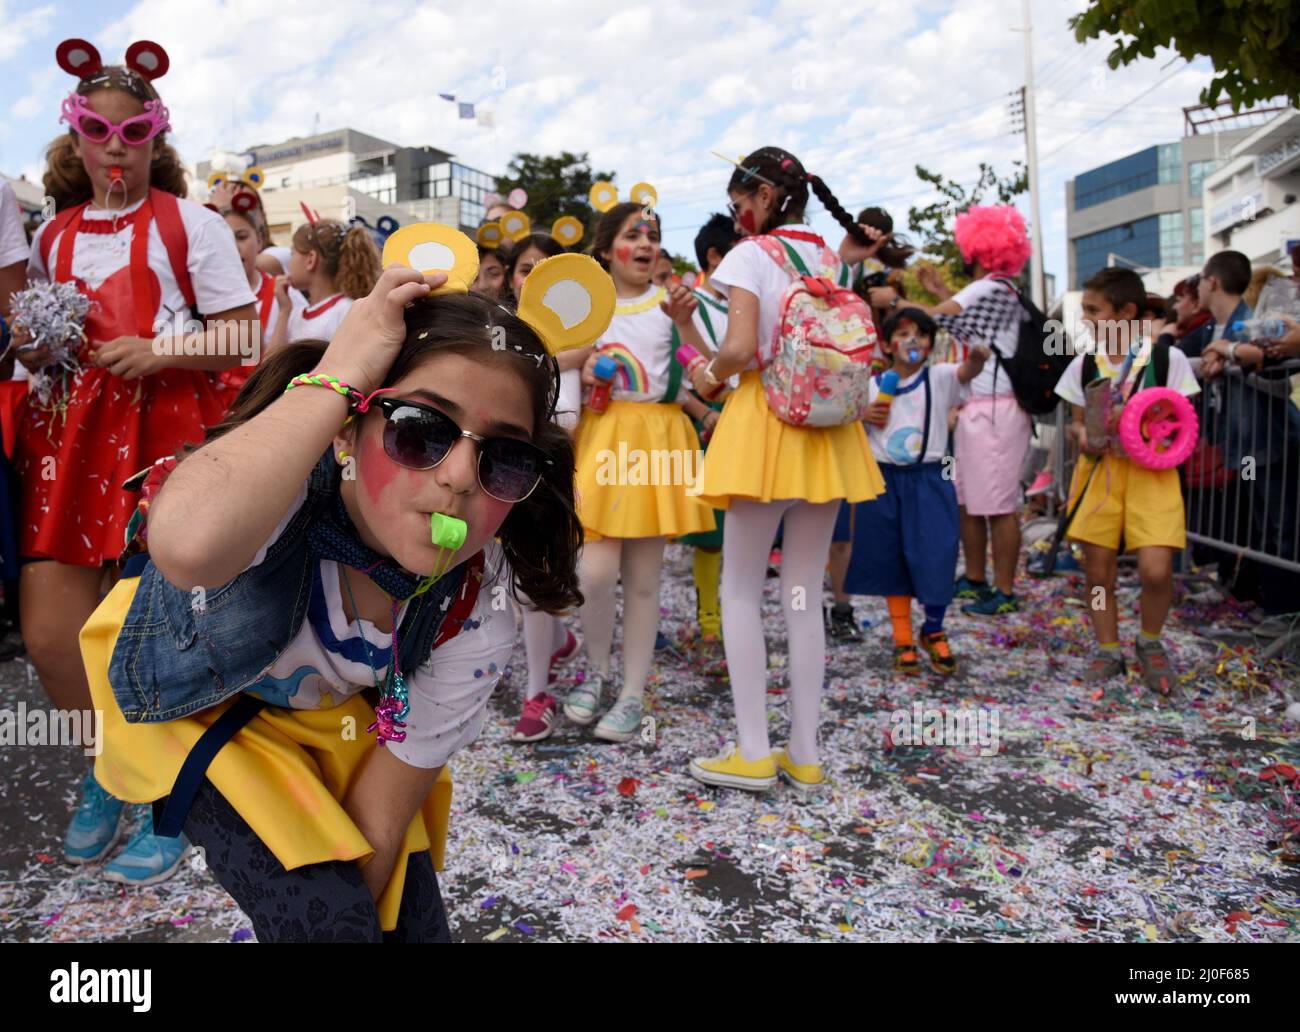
860	91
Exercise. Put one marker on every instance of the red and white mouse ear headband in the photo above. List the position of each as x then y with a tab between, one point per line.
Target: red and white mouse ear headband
80	58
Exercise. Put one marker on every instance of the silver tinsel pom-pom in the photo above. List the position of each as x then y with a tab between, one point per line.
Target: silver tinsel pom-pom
54	316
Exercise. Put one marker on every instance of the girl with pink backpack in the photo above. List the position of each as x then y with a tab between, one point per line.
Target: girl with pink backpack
789	445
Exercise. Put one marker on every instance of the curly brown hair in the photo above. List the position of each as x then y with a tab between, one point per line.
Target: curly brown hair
66	179
348	256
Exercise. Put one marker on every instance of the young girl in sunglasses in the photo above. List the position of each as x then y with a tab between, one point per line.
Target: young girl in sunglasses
628	517
125	236
394	489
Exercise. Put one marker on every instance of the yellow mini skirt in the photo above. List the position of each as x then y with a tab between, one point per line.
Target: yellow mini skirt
638	472
753	455
286	772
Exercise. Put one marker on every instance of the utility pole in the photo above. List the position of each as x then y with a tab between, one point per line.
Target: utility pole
1031	147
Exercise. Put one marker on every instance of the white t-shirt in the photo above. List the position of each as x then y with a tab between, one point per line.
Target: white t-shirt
448	692
1181	378
710	319
213	260
318	322
13	239
568	407
1002	338
898	442
639	339
281	255
747	266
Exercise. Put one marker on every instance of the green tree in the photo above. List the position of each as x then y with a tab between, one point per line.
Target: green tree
1253	44
932	225
556	184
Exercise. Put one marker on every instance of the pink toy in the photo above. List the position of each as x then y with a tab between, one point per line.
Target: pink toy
1158	428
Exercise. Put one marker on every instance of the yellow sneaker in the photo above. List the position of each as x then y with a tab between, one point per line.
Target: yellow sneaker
803	777
731	770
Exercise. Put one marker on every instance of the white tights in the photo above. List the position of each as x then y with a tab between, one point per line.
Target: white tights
751	528
641	562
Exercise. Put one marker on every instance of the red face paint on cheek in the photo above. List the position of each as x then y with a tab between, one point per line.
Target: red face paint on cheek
747	222
377	470
623	254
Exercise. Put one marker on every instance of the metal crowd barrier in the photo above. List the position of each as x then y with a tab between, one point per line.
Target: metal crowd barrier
1241	486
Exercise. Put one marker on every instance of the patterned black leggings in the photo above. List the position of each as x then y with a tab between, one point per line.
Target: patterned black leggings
326	902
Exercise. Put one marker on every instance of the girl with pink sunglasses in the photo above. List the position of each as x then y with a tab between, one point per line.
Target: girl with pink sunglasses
140	387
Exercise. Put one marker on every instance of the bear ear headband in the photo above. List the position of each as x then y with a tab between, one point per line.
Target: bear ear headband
145	61
604	196
568	300
565	231
384	227
251	179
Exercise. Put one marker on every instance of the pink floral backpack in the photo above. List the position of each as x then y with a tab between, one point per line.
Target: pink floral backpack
818	369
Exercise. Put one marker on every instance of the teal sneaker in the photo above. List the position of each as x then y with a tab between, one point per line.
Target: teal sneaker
974	591
995	604
623	721
96	826
148	859
584	698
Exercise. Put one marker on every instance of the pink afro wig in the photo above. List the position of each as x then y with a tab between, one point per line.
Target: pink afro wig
993	235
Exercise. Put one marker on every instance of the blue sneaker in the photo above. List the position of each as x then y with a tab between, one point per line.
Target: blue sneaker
995	604
148	859
662	644
96	826
975	591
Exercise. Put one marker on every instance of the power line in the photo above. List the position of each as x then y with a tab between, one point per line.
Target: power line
1107	118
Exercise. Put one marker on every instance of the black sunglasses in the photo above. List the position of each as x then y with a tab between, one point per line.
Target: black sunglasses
419	437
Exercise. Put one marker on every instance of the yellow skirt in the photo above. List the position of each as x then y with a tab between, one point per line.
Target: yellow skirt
286	772
638	471
754	455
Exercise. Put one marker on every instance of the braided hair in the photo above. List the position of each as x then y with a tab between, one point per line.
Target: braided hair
784	171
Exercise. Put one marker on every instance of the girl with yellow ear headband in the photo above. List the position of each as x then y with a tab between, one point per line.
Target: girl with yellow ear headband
364	515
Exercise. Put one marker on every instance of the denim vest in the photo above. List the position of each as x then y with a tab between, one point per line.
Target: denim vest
179	652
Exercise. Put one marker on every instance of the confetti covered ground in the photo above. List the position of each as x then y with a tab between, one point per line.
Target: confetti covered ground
1104	816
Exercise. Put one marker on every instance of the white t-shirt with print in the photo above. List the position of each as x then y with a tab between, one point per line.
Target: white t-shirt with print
333	658
1181	378
748	267
1004	340
318	322
215	269
898	442
641	337
13	238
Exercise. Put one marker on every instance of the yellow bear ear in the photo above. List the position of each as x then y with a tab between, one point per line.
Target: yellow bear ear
515	224
645	195
568	300
603	196
566	230
429	247
489	235
216	178
254	177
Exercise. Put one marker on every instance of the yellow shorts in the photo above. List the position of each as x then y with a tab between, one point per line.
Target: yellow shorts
1129	503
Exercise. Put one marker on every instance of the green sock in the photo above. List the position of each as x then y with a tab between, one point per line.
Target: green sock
1108	646
1147	637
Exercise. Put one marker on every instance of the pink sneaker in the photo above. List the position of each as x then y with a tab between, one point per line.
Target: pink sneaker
1041	485
537	720
563	655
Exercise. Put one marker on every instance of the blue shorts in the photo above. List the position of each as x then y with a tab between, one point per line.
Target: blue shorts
844	522
905	541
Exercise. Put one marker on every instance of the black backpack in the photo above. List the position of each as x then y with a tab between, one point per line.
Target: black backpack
1157	370
1034	369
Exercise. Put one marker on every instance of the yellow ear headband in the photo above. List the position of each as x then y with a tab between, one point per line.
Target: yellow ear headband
253	178
604	196
568	300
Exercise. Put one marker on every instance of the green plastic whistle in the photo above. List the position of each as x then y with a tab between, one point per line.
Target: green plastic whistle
447	531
